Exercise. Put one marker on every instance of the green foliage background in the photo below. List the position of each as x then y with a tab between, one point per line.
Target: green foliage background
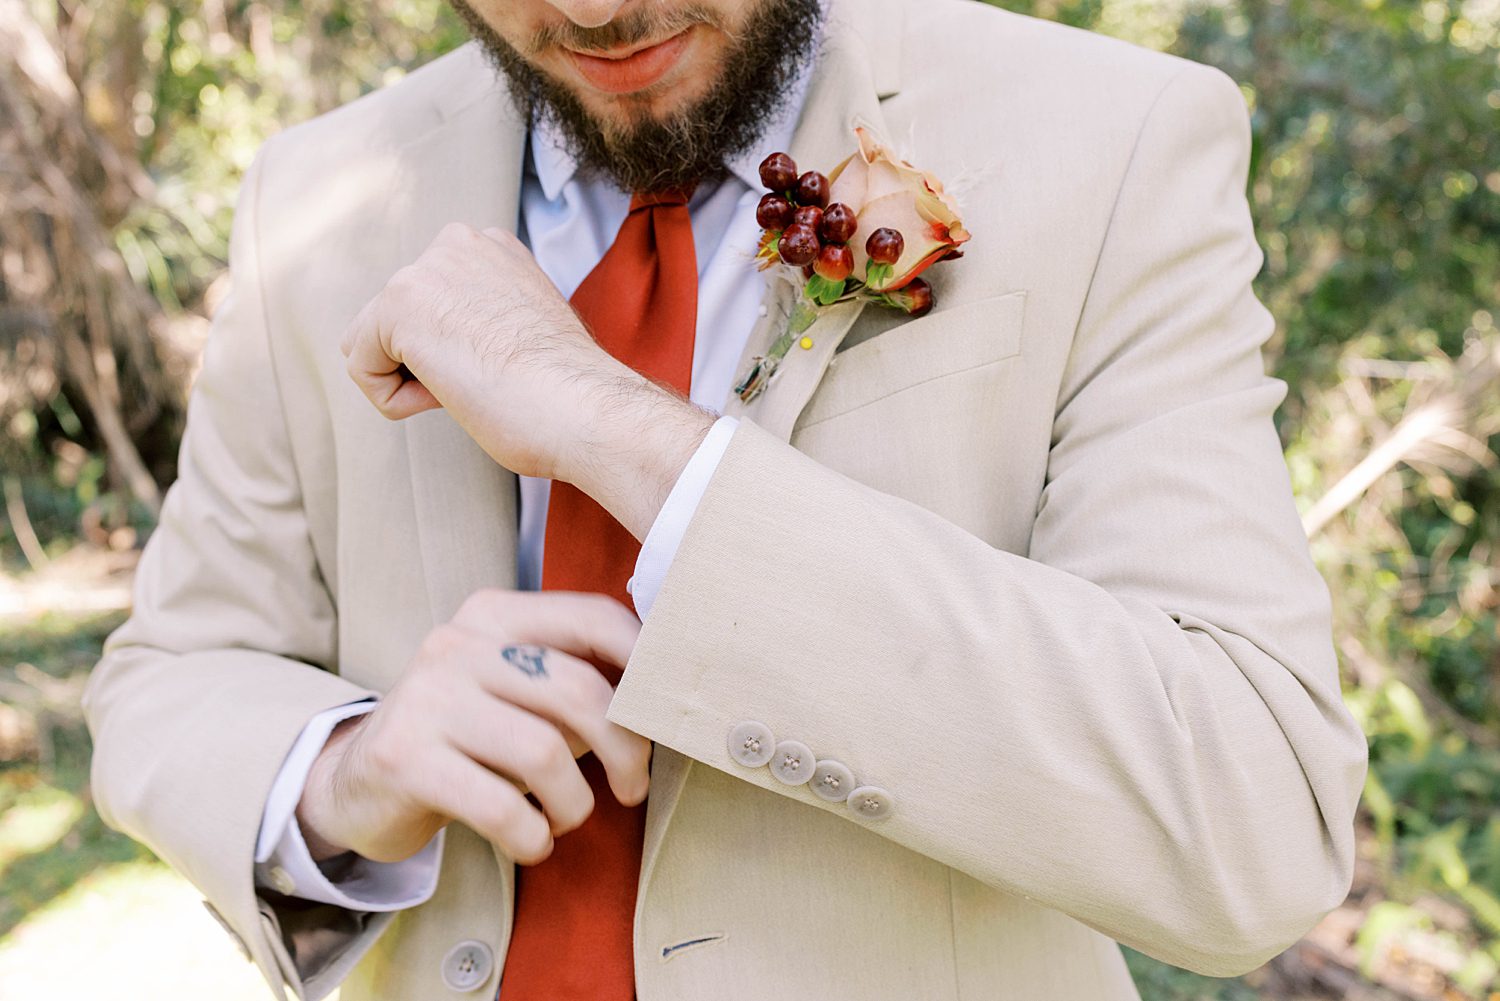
1375	187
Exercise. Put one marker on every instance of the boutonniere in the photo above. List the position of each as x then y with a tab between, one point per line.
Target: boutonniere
865	230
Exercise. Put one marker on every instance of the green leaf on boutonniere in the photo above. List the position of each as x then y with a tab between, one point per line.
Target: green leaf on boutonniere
824	292
877	274
802	317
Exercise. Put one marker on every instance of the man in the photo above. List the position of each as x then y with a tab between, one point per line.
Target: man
971	646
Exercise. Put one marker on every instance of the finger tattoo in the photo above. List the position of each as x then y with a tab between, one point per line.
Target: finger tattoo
527	657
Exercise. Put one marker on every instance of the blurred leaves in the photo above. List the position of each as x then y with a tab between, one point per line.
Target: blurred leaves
124	130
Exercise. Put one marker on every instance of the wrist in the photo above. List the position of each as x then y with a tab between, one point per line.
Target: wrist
314	814
634	443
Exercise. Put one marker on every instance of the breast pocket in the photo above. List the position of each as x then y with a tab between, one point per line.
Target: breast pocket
963	337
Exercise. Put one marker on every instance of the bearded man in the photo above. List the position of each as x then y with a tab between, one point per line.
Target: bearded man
510	633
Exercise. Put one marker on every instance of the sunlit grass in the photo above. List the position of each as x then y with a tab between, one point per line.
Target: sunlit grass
131	931
35	822
85	912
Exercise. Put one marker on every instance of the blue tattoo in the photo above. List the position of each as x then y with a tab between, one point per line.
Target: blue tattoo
526	656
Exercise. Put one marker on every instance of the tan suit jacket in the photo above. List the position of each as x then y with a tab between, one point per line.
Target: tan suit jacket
1030	564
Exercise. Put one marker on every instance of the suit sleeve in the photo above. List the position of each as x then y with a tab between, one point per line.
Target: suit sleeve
230	649
1137	723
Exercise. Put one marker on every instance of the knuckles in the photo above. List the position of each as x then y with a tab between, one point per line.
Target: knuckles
533	854
404	284
590	688
543	753
442	645
490	603
383	755
457	234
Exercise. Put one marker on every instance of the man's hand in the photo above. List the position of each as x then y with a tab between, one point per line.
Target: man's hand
496	703
475	326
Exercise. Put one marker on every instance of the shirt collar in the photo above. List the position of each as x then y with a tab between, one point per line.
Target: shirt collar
555	165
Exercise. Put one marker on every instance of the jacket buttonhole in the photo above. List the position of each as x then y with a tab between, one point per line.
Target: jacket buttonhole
668	951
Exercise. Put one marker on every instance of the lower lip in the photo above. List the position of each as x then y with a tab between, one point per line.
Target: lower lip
636	71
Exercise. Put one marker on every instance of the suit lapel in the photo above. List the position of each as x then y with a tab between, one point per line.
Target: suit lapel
467	169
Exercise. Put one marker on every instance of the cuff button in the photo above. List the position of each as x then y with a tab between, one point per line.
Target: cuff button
870	802
281	881
751	744
832	780
793	762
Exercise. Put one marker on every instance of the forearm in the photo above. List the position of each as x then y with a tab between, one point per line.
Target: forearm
1176	773
635	447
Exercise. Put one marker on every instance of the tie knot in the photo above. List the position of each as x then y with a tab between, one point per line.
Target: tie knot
665	196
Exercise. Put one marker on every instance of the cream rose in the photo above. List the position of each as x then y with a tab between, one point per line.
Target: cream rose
886	192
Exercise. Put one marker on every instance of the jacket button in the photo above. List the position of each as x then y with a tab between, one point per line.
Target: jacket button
467	965
281	881
870	802
751	744
793	762
832	780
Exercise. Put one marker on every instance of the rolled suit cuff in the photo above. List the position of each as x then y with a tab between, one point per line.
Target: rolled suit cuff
665	534
283	862
361	884
286	790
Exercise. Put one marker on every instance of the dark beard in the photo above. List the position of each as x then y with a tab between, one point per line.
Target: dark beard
692	145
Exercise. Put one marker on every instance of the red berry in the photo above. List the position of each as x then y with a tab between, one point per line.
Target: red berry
809	215
839	223
812	189
799	244
774	212
778	172
835	262
885	245
915	298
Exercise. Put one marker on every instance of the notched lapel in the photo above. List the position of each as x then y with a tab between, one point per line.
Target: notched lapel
467	169
466	512
793	383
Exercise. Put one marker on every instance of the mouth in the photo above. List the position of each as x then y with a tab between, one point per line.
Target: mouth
630	68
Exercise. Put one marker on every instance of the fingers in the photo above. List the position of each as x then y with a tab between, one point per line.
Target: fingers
581	623
526	651
385	381
519	744
466	791
571	693
564	626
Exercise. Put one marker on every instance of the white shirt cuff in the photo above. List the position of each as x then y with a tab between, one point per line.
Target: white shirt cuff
665	534
284	864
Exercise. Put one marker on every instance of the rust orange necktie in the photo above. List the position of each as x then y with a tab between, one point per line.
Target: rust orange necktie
573	929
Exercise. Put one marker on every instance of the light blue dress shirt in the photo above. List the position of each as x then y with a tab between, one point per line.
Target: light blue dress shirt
568	221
